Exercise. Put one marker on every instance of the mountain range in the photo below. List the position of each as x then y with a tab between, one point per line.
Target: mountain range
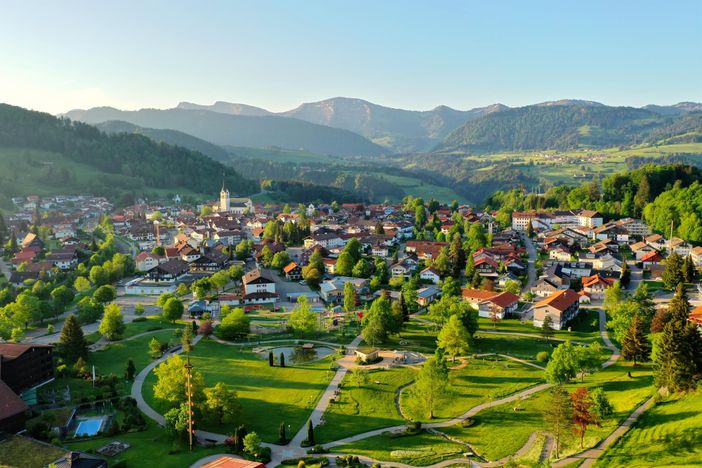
352	127
239	130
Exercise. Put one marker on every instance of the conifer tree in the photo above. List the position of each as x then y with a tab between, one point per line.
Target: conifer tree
635	344
558	413
72	344
678	358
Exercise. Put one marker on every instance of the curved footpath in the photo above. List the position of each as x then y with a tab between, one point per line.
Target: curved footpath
294	449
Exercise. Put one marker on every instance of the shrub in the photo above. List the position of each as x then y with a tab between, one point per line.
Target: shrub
542	356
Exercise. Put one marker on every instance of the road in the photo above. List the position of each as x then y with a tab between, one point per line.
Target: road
126	304
531	266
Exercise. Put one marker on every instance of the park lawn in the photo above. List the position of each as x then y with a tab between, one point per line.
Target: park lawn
268	396
415	336
418	450
500	431
586	329
481	380
154	445
152	323
668	434
518	346
370	406
113	359
20	452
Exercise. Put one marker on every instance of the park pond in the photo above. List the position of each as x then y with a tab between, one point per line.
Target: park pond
297	354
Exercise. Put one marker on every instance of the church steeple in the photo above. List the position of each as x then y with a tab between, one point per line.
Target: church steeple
224	199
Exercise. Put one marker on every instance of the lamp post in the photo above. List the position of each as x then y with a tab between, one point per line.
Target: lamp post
189	392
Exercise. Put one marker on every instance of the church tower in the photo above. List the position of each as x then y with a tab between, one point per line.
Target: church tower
224	200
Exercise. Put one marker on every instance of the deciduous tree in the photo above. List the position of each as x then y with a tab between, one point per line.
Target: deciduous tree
453	338
112	325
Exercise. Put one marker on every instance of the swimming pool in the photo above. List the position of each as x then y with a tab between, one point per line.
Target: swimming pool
89	427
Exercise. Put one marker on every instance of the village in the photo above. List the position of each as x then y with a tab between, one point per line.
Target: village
303	285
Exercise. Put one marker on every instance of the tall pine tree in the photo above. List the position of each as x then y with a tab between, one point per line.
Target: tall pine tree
72	344
679	356
635	345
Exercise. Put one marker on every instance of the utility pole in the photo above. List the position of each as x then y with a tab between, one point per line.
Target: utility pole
189	391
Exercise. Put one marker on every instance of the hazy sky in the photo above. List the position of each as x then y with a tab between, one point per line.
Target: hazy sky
59	55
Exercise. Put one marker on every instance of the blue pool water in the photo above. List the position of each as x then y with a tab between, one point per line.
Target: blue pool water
89	427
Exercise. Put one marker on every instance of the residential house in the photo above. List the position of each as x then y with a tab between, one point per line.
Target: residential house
404	267
169	271
641	249
426	296
696	255
329	265
425	250
292	271
596	285
590	218
487	267
255	281
430	274
145	261
332	290
561	306
491	303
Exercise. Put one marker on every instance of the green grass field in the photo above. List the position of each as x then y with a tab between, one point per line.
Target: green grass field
500	431
370	406
587	330
668	434
269	396
419	188
479	381
419	450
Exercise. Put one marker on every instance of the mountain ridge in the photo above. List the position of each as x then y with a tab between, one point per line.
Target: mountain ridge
239	130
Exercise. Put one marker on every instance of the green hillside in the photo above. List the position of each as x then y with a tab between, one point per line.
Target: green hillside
172	137
26	171
73	156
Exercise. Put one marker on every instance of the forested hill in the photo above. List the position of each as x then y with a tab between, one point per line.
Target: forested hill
136	157
172	137
559	127
240	130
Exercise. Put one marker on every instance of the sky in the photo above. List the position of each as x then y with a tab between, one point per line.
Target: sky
57	56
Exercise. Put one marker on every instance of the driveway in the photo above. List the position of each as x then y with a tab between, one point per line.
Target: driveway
284	287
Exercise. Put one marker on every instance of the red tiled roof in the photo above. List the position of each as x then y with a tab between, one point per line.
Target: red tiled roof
289	267
504	299
479	294
595	279
10	403
652	257
14	350
227	461
696	315
559	300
